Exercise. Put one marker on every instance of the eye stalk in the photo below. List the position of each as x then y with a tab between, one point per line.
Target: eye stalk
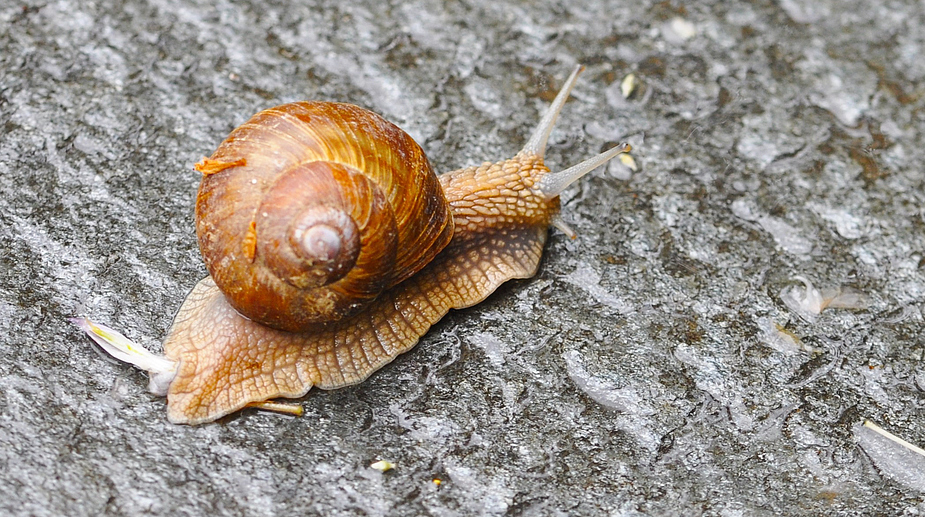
552	184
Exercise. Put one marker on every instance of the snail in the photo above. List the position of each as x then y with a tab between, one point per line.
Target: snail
332	247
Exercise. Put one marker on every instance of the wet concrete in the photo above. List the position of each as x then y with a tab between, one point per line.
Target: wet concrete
653	366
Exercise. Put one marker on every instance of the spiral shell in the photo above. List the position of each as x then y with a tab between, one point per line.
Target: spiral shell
309	210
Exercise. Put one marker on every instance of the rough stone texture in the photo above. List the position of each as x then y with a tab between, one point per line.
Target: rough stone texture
651	367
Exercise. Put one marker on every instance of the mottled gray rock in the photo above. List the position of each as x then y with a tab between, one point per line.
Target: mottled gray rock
651	367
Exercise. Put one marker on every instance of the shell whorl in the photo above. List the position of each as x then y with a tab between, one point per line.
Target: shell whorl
317	209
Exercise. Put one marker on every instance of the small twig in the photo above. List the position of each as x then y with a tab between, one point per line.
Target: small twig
287	408
879	430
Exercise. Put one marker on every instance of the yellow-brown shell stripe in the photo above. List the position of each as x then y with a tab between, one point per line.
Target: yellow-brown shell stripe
208	166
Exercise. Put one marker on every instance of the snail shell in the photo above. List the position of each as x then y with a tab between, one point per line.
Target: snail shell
325	206
332	248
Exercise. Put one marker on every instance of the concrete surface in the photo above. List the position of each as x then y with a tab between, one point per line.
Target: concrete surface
653	366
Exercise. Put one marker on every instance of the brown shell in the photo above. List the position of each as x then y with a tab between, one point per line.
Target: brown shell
339	181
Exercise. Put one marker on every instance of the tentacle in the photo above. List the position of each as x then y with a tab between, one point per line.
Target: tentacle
536	145
559	223
552	184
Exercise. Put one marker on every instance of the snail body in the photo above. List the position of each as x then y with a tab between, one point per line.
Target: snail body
332	247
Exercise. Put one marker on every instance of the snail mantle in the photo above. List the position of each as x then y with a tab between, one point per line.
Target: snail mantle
332	247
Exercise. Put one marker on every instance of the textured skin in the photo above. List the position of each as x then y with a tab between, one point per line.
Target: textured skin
227	361
305	155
